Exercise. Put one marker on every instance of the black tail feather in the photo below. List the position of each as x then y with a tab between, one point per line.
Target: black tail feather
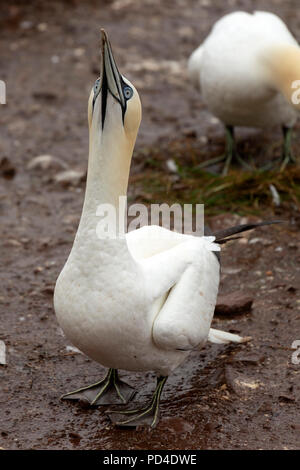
225	240
221	235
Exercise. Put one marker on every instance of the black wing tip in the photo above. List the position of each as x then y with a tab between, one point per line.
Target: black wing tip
222	235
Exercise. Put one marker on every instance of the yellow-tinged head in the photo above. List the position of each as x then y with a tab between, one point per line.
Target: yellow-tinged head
114	109
283	66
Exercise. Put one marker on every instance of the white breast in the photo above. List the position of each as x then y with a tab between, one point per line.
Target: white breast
107	313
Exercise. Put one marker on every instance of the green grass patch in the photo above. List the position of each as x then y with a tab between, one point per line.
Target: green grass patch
241	192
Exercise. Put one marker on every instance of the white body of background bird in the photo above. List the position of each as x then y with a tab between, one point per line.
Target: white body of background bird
245	69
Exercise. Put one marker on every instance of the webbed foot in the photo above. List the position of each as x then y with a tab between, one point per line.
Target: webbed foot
109	391
148	415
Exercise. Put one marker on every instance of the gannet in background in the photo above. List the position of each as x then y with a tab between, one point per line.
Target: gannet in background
139	303
247	70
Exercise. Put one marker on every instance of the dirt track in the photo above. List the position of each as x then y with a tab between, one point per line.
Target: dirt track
224	397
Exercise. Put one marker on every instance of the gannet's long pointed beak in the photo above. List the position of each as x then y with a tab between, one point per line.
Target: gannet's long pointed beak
110	77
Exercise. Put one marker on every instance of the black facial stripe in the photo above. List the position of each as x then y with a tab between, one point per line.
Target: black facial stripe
93	104
104	99
106	89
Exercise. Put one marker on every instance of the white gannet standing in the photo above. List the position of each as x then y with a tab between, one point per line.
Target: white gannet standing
140	302
247	70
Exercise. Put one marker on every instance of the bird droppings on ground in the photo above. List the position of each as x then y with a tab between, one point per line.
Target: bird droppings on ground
46	163
2	353
40	369
70	177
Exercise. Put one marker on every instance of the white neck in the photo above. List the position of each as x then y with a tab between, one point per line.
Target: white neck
107	180
108	171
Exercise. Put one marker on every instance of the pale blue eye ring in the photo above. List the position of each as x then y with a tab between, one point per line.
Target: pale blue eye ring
97	86
128	92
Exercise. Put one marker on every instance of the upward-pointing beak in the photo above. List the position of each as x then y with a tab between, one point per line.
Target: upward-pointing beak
110	77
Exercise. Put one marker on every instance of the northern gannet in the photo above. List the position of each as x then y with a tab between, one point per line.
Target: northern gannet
248	71
140	302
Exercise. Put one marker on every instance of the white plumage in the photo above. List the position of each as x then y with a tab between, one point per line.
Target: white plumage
140	302
245	68
134	313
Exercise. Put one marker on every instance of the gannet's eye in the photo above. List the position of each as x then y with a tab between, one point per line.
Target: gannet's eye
97	87
128	92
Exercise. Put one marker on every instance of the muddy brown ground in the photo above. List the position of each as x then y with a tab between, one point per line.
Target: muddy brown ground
224	397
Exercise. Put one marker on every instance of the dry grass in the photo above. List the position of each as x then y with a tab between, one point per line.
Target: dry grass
242	192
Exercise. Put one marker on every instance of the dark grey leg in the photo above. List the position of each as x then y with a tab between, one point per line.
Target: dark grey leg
230	153
287	156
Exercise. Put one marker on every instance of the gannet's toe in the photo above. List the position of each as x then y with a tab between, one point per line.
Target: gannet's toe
146	416
109	391
134	418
